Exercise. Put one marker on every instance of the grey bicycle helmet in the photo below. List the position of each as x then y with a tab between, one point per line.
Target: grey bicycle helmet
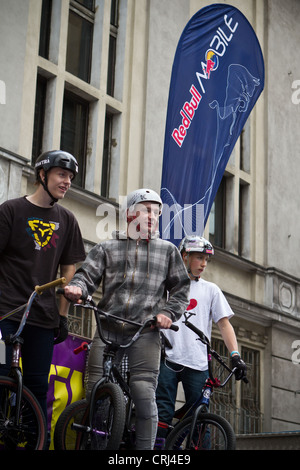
51	159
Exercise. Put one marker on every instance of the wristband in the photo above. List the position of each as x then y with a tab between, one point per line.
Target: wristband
234	352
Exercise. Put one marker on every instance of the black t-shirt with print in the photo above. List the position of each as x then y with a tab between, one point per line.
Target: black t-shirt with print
34	241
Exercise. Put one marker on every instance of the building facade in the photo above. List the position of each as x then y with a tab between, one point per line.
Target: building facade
92	77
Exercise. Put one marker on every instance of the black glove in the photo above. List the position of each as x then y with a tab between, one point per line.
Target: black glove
61	333
241	368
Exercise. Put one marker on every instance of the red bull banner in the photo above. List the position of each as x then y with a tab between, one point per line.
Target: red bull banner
217	77
66	379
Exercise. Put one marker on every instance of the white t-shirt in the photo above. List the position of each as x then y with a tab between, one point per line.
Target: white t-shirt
211	307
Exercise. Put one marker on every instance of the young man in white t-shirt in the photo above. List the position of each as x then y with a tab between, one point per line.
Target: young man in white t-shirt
186	360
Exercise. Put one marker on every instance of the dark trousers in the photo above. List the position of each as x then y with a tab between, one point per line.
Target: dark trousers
37	351
169	377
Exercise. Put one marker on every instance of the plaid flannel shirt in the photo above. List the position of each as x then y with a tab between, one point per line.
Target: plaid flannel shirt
139	278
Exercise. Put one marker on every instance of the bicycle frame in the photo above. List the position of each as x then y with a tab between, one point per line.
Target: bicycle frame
110	370
202	404
16	341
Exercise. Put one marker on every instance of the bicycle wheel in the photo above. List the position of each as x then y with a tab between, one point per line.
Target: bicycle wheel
108	420
212	432
30	433
65	437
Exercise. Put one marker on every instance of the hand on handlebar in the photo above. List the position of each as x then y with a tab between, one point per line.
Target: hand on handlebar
164	322
73	293
240	367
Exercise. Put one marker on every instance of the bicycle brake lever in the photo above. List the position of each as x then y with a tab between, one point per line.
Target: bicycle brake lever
244	379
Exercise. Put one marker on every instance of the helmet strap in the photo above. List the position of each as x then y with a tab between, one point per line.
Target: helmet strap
195	278
45	186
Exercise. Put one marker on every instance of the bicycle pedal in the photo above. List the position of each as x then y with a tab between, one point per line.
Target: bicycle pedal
80	427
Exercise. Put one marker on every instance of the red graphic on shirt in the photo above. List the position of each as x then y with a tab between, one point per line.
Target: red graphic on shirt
193	303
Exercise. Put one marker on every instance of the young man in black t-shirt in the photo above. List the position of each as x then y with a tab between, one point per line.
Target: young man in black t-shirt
38	237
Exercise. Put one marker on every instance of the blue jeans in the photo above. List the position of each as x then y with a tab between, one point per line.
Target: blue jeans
37	353
169	377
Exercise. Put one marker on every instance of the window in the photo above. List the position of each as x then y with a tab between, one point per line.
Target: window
244	223
74	131
251	416
106	160
114	19
45	29
80	321
245	148
229	220
237	403
79	95
79	43
39	114
90	4
217	217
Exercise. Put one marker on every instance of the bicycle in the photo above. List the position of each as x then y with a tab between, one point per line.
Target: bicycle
197	428
105	420
22	422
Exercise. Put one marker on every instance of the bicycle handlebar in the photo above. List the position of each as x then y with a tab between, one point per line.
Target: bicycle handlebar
206	341
91	304
40	289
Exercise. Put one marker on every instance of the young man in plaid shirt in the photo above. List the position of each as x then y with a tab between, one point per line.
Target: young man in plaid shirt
142	277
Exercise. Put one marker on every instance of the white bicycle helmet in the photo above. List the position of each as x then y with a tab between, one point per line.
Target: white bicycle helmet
139	196
191	244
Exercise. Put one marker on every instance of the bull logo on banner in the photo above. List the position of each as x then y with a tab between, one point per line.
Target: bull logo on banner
217	77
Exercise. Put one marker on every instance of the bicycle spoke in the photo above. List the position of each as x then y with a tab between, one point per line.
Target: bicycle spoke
30	431
211	432
108	420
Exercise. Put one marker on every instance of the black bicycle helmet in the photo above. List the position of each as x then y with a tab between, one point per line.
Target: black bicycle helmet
55	158
51	159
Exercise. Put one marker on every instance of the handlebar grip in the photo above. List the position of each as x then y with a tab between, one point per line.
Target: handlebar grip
174	327
40	289
82	347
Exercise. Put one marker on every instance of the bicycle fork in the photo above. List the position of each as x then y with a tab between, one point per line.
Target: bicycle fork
16	374
89	427
202	408
107	368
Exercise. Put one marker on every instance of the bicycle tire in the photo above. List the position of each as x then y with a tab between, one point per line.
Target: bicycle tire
31	432
212	432
65	437
108	420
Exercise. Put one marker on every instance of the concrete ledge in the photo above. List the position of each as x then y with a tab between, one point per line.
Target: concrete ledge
269	441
